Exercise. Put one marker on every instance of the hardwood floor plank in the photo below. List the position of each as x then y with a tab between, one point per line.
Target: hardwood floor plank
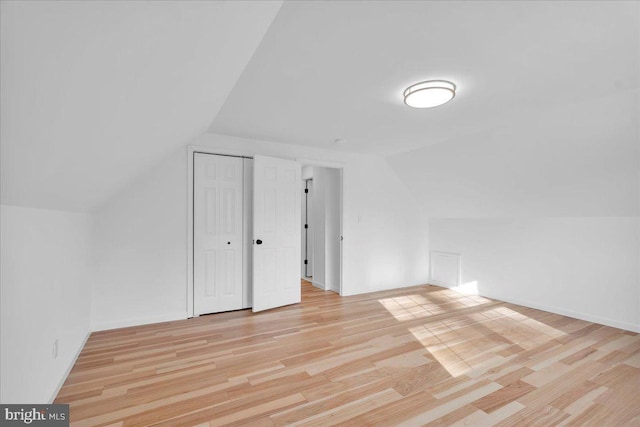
350	410
442	407
331	402
535	417
412	356
391	413
502	397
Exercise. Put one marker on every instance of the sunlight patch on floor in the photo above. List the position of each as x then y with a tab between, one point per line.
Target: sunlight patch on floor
471	342
409	307
469	288
514	326
442	353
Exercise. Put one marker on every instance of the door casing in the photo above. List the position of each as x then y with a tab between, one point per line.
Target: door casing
218	233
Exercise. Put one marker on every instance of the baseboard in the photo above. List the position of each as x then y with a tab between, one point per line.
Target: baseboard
383	288
318	285
69	368
570	313
561	311
441	284
103	326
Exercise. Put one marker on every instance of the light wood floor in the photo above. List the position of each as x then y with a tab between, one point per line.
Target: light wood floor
415	356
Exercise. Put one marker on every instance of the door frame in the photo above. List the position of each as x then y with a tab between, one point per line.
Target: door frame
191	151
307	261
343	175
247	154
220	301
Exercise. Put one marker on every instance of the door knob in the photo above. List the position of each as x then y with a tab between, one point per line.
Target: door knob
258	242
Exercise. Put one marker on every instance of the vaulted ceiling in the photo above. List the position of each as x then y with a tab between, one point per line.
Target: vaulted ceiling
329	70
93	93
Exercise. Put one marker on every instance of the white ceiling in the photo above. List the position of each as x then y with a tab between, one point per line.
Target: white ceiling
328	70
95	92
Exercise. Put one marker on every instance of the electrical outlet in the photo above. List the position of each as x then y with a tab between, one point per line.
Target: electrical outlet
54	352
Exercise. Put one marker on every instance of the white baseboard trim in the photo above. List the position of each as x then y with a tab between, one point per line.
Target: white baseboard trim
318	285
563	312
385	288
570	313
103	326
441	283
69	368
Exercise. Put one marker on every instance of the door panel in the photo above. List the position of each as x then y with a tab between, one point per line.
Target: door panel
277	240
218	236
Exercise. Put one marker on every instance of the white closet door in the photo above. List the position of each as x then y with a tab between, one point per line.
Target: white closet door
276	231
218	240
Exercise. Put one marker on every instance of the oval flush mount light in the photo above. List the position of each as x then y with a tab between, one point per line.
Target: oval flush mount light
430	93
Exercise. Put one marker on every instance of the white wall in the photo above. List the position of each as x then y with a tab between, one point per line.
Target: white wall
544	209
45	295
581	267
140	241
141	234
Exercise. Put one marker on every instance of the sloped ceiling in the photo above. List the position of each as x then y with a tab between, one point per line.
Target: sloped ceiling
328	70
578	160
93	93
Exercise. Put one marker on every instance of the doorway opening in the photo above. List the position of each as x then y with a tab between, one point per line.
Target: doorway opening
243	232
321	261
307	238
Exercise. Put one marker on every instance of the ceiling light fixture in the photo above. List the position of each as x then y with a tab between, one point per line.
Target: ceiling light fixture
430	93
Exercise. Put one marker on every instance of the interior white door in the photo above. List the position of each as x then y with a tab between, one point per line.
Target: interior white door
217	239
276	232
